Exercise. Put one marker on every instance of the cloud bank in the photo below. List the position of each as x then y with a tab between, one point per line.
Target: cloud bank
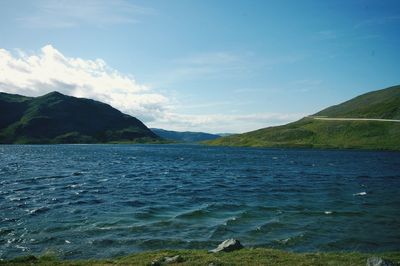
49	70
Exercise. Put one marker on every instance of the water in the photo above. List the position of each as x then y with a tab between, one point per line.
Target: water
92	201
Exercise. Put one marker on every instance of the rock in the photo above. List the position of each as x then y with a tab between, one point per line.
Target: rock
155	263
228	246
167	260
375	261
174	259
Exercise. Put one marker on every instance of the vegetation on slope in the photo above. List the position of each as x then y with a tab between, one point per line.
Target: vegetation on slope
376	104
256	256
312	133
321	134
57	118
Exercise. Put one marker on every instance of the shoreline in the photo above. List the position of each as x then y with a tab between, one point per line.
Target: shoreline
246	256
207	145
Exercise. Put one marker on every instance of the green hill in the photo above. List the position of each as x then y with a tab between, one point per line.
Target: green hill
57	118
313	133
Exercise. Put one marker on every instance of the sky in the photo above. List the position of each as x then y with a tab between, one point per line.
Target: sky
205	65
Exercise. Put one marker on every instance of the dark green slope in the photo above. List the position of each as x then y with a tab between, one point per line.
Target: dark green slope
186	136
312	133
12	108
57	118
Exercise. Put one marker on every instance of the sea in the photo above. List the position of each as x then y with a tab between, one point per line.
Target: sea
103	201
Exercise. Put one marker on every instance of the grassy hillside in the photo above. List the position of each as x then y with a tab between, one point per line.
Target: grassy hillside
312	133
57	118
186	136
321	134
256	256
376	104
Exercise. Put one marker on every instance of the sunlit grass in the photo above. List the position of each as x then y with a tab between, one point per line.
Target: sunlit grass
247	256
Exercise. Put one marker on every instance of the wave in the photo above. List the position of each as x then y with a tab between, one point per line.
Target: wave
133	203
222	232
5	231
293	240
17	199
50	177
309	213
54	229
153	213
363	193
39	210
86	202
269	226
194	214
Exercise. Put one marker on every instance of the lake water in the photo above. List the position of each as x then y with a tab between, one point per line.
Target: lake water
86	201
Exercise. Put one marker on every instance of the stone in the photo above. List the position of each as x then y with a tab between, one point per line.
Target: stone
155	263
228	246
375	261
174	259
167	260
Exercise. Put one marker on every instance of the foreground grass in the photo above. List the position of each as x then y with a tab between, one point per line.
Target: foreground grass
256	256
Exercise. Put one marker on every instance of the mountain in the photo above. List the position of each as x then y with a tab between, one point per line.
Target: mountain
57	118
341	126
186	136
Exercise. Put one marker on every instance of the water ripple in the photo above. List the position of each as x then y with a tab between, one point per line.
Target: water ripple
106	200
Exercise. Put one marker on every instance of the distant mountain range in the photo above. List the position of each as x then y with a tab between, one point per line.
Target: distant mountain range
57	118
186	136
369	121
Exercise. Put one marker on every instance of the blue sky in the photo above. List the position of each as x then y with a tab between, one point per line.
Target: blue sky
216	66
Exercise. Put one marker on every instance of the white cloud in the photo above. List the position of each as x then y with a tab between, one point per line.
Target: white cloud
49	70
73	13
